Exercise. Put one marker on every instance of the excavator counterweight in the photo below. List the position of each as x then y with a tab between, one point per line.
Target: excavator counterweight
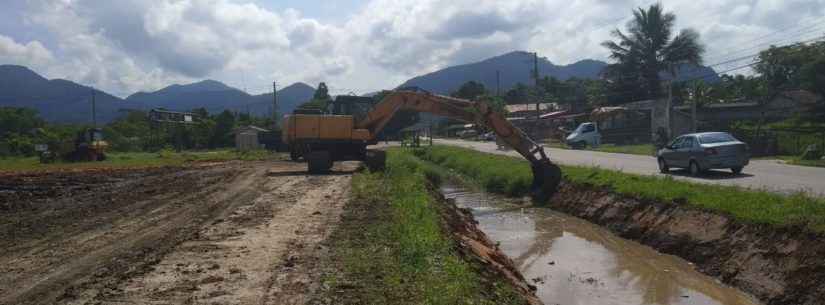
321	139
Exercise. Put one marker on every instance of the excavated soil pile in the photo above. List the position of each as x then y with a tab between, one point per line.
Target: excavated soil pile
777	265
474	245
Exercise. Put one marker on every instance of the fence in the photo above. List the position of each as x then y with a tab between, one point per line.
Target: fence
780	141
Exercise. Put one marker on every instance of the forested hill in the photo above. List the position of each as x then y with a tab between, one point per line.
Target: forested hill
515	67
56	100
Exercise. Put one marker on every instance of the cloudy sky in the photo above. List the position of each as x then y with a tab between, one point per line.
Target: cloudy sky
126	46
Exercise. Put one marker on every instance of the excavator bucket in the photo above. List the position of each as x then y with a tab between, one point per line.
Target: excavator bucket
546	180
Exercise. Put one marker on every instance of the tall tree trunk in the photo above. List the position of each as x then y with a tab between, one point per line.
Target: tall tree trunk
654	84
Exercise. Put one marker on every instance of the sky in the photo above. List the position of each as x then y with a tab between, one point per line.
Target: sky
358	46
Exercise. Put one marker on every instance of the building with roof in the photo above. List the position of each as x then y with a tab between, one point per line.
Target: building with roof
249	137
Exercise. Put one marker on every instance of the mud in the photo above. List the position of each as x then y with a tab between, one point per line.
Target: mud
777	265
231	233
475	245
572	261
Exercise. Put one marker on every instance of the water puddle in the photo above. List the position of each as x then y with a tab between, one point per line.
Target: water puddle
572	261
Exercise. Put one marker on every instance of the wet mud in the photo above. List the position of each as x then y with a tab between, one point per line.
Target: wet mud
229	233
572	261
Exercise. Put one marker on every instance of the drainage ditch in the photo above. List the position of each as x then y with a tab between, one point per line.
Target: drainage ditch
572	261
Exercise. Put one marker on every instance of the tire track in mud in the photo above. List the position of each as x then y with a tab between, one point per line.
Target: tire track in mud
258	254
107	245
111	242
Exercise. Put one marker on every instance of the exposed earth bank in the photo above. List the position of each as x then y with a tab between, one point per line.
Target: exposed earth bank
780	266
475	245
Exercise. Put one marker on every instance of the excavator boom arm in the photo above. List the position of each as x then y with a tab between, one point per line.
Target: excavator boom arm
546	175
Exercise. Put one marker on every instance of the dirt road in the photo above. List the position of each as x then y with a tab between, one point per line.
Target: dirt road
760	174
233	233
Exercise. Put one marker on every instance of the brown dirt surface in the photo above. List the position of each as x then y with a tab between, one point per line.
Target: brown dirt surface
227	233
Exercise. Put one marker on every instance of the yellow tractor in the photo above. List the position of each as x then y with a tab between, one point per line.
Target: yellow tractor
321	139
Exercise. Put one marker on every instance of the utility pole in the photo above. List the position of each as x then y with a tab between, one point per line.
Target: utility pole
274	103
536	76
498	82
693	121
668	106
94	110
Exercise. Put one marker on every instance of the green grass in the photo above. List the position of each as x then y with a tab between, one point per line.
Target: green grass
394	247
133	159
512	176
637	149
794	160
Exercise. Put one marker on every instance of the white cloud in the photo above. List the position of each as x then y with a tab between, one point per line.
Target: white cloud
32	53
129	45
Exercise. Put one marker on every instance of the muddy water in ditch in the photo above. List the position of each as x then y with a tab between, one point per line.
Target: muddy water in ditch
572	261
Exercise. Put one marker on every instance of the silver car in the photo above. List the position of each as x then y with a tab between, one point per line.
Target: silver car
699	152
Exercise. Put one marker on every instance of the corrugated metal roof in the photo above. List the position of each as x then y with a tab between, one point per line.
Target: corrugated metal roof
529	107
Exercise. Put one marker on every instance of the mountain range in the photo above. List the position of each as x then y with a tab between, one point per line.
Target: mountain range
516	67
216	96
64	101
57	100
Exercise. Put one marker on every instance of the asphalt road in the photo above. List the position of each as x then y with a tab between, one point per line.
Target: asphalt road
770	175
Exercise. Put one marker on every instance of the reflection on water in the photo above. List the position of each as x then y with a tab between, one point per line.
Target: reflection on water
572	261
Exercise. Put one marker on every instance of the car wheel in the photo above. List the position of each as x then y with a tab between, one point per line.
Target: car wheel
663	168
694	169
736	170
294	156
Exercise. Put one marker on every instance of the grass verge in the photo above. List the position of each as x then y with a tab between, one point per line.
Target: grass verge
793	160
511	176
134	159
634	149
392	247
637	149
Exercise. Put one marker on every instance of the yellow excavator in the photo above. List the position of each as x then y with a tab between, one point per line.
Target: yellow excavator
321	139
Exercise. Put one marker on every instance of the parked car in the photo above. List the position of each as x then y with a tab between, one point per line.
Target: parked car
490	136
466	134
586	134
700	152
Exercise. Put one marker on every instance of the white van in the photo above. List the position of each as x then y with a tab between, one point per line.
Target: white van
587	134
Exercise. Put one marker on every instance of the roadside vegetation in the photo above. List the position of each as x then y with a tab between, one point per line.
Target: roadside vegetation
794	160
165	157
633	149
392	247
512	176
636	149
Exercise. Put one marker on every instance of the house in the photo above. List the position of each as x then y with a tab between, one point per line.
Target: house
652	115
248	137
529	110
622	125
782	106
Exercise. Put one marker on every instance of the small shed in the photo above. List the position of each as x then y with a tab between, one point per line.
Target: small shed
248	137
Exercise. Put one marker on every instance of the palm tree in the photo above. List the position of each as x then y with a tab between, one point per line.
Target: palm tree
649	48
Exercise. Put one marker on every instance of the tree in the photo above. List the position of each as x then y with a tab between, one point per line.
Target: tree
470	90
320	100
222	133
322	93
519	94
649	48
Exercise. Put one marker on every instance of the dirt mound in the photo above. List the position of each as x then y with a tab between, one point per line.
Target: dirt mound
777	265
476	246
